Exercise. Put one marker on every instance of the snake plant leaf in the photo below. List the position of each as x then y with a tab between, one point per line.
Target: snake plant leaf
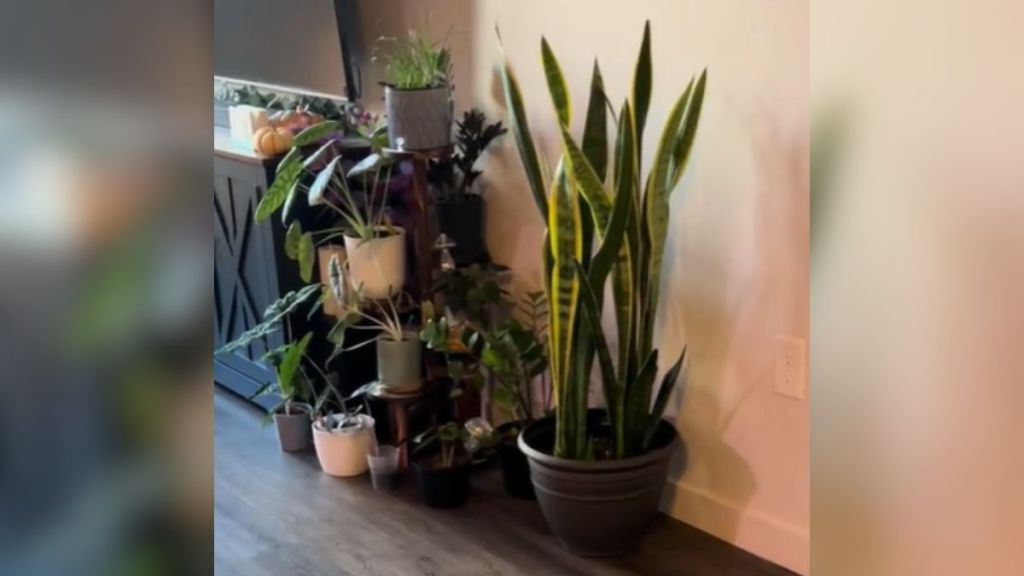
612	247
556	84
524	139
613	387
623	289
657	214
687	132
283	185
638	403
316	133
642	85
566	248
291	240
589	184
290	364
595	129
667	385
319	185
306	256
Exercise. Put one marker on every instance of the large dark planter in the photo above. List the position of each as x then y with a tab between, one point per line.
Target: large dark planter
463	222
515	468
293	433
597	508
419	119
442	487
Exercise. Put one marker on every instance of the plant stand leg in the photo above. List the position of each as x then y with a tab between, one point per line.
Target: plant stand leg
399	415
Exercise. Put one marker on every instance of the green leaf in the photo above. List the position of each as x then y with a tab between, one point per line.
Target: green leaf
638	401
642	85
271	317
290	158
623	288
667	385
306	255
284	182
319	185
595	130
290	365
656	216
316	133
589	184
292	238
687	132
289	202
367	165
524	140
556	84
613	387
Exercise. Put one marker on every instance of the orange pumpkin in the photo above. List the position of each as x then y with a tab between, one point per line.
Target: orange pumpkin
271	141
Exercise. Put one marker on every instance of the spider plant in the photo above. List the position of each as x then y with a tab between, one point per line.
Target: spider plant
360	314
607	219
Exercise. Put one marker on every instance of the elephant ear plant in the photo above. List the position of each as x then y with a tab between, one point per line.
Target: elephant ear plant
607	221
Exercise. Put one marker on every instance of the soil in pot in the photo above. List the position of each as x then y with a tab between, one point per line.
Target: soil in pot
442	487
515	468
293	428
463	222
600	507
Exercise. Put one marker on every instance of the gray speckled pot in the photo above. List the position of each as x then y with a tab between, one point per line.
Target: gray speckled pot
597	508
419	119
293	429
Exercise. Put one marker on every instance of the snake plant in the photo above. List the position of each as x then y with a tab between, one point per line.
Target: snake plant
607	220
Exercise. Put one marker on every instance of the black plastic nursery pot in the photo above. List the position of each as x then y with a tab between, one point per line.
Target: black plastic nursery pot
463	222
515	468
442	487
597	508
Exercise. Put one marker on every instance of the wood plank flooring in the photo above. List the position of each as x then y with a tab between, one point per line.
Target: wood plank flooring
277	514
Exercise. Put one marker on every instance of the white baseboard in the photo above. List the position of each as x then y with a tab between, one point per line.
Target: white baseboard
758	533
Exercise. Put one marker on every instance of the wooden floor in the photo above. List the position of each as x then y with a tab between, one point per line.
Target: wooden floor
277	514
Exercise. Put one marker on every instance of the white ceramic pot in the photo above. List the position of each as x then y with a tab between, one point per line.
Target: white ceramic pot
343	452
377	265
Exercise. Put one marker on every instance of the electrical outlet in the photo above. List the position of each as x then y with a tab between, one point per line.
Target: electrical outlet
790	367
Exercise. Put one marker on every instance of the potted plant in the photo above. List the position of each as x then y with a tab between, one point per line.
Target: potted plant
599	474
342	434
417	93
292	384
375	249
513	353
399	358
442	466
459	202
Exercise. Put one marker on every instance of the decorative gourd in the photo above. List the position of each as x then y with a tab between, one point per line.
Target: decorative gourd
272	141
295	120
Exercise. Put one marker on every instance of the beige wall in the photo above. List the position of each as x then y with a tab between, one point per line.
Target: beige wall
736	268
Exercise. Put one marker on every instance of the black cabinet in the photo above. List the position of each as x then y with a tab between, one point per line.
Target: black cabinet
246	278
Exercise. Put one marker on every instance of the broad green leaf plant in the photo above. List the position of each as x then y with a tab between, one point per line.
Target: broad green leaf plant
607	222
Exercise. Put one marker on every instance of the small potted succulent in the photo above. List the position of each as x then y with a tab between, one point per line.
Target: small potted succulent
513	353
342	434
418	93
459	199
399	356
442	466
292	384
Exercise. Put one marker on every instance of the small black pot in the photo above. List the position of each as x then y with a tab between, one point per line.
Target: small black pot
442	487
515	468
463	222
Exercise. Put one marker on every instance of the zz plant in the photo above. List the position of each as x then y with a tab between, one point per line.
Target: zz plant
607	221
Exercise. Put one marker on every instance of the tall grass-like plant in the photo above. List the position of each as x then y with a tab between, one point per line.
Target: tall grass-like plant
607	221
416	62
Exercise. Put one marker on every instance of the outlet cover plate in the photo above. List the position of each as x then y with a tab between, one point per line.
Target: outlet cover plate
791	367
